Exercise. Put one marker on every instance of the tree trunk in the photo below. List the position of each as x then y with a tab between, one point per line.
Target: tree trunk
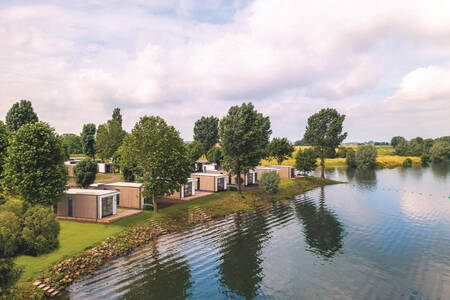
238	177
155	204
322	164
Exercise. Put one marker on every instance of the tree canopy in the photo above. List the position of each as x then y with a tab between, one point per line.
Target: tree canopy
72	143
366	157
34	168
206	132
306	160
440	151
117	116
396	140
155	150
109	138
4	142
244	135
88	139
85	172
280	149
215	155
194	151
19	114
324	132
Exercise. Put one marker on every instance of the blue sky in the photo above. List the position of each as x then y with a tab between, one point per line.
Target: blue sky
385	64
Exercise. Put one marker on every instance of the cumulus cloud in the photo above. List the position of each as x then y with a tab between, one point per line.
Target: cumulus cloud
183	59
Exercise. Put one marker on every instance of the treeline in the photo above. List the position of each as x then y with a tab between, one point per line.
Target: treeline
435	150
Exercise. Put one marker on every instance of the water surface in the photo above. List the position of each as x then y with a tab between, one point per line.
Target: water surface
384	235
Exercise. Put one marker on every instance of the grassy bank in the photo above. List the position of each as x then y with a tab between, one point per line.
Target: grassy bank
76	237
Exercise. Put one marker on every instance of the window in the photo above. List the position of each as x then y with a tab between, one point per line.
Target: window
107	206
220	184
188	189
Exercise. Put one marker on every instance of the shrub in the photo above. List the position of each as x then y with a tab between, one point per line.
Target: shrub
9	274
231	188
2	199
148	206
425	159
366	157
350	158
306	161
40	232
342	152
407	163
269	182
85	172
9	234
17	207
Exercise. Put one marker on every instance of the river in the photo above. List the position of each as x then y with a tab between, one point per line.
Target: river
383	235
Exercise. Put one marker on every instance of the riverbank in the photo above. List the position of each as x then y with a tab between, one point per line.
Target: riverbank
122	237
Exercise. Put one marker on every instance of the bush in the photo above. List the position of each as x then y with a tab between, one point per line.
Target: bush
306	161
17	207
407	163
350	158
342	152
148	206
231	188
85	172
10	239
366	157
425	159
440	151
9	274
40	232
269	182
2	199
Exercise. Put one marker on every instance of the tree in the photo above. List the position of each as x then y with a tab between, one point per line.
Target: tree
85	172
10	228
306	160
324	132
109	138
4	136
366	157
280	149
401	148
72	142
269	182
88	139
342	152
244	135
194	152
41	230
34	168
440	152
301	142
396	140
117	116
156	151
19	114
215	155
206	132
416	146
350	158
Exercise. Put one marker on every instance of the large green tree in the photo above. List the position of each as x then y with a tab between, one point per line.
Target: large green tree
440	151
88	139
34	168
155	150
19	114
117	116
324	132
306	160
4	142
244	135
85	172
215	155
280	149
109	138
72	143
206	132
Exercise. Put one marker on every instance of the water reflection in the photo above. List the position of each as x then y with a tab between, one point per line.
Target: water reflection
440	170
323	230
164	276
365	178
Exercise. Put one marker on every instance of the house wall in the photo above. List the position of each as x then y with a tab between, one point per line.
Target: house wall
284	171
262	171
69	170
130	197
207	183
83	206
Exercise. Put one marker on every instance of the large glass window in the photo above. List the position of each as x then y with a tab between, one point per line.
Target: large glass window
107	206
220	184
188	189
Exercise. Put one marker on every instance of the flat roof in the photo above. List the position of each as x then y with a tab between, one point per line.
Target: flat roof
281	166
124	184
209	174
266	168
192	179
90	192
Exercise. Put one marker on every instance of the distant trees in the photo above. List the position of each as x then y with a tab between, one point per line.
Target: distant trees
4	142
34	168
396	140
88	139
215	155
206	131
72	143
350	158
244	135
280	149
85	172
109	138
269	182
342	152
324	132
440	151
366	157
301	142
117	116
19	114
306	160
428	149
156	151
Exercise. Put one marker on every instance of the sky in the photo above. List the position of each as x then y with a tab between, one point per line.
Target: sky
384	64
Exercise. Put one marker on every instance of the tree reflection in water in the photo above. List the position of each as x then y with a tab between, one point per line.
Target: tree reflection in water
440	170
166	276
365	178
323	231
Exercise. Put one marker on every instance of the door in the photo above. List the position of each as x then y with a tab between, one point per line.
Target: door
198	184
220	184
188	189
249	178
69	204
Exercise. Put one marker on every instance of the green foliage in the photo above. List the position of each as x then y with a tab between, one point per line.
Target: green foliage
350	158
19	114
85	172
206	132
280	149
10	227
416	147
301	142
41	230
117	116
342	152
306	160
440	151
269	182
34	168
109	138
88	139
155	151
396	140
231	188
72	142
407	163
16	206
366	157
9	274
324	132
148	206
194	152
244	135
215	155
425	159
401	148
4	143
